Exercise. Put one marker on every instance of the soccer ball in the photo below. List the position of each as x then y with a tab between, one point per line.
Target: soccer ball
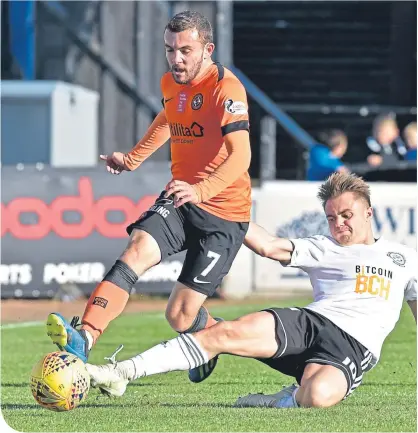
59	381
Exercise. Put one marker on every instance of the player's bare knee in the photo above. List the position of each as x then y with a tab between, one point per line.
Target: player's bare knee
320	393
228	331
142	252
257	325
171	318
218	337
178	320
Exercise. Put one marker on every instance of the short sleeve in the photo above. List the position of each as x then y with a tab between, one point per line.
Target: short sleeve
411	290
411	287
232	106
308	252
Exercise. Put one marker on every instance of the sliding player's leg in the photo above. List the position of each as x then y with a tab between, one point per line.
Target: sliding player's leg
320	386
329	368
252	335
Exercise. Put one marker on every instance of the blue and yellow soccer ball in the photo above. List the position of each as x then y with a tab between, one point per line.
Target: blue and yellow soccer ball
59	381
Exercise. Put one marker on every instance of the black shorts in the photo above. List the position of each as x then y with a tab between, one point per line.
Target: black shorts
307	337
211	242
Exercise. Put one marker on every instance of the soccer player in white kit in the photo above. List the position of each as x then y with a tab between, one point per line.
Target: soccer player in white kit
359	284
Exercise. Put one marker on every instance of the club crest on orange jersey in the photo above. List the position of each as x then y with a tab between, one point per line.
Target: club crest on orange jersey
197	101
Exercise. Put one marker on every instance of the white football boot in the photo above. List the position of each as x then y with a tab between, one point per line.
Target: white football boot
112	378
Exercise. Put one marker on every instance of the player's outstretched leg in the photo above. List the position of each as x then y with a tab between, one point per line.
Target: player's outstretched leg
112	379
181	353
253	335
108	299
199	374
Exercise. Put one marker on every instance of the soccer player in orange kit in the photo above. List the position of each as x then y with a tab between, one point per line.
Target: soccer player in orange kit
204	209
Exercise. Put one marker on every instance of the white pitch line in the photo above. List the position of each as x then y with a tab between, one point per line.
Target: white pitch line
148	314
19	325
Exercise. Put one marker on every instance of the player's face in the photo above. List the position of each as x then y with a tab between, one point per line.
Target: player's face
185	53
349	219
411	138
387	133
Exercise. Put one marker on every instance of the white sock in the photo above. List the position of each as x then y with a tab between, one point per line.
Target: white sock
89	339
181	353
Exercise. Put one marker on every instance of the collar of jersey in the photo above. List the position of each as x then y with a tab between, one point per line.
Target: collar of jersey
377	243
207	73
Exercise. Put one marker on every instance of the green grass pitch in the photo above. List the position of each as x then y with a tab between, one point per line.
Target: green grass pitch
386	401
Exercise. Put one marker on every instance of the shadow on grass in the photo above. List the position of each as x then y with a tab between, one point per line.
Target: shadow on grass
15	385
206	384
9	406
99	404
20	406
139	384
194	405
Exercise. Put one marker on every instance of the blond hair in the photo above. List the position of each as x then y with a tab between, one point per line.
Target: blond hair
411	127
410	132
383	120
339	183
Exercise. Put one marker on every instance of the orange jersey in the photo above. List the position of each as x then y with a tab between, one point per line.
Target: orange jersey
199	116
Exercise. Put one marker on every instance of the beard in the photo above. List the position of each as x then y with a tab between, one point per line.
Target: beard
345	238
189	75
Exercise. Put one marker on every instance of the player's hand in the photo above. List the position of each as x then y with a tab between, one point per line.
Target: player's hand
115	163
183	192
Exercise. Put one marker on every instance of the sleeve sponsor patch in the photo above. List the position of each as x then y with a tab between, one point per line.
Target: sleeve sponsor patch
235	107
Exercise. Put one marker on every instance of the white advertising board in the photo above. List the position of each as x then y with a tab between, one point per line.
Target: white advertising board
291	210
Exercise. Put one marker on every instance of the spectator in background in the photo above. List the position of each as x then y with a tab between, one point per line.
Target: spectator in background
324	159
386	143
410	137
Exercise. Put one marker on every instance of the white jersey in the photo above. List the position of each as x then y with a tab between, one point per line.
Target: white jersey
360	288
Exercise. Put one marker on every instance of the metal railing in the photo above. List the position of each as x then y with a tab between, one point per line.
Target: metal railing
292	127
22	36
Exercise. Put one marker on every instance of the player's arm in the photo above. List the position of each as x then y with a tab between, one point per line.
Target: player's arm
231	107
237	144
157	134
413	307
264	244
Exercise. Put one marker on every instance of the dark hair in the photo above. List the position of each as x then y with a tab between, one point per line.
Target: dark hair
331	137
191	20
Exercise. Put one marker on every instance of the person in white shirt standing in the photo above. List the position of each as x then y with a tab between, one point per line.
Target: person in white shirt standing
359	284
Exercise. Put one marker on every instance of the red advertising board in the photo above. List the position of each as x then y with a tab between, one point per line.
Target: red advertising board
63	227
